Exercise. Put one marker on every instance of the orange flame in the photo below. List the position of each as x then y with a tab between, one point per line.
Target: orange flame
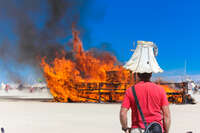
174	96
86	78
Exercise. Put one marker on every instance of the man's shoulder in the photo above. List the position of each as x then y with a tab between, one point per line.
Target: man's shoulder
159	89
153	86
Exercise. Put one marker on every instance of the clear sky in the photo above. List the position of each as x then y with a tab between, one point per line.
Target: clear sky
174	25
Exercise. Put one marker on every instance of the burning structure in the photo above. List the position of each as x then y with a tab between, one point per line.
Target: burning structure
76	75
92	76
86	76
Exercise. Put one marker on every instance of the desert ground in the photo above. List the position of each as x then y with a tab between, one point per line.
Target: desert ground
34	116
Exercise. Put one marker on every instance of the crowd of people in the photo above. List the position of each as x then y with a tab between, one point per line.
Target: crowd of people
30	88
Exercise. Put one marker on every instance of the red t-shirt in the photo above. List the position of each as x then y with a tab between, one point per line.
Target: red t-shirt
151	98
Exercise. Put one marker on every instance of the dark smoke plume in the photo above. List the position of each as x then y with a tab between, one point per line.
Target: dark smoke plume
38	26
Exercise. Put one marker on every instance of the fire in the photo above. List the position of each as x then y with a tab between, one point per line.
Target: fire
174	96
86	77
90	77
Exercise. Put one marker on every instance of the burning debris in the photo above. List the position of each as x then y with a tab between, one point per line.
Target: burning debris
85	77
74	75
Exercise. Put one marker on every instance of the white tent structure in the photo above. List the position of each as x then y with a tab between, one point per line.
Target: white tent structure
143	59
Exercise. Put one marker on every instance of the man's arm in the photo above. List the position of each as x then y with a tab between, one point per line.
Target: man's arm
167	118
123	118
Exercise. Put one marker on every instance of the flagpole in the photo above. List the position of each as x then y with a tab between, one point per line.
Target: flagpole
185	70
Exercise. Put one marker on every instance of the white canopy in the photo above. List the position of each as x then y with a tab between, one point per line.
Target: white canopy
143	59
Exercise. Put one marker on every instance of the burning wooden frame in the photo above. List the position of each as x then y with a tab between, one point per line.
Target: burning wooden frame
89	76
176	92
114	93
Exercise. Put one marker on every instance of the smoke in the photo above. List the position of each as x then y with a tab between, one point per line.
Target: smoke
39	27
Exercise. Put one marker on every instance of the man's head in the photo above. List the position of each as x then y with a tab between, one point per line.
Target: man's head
144	76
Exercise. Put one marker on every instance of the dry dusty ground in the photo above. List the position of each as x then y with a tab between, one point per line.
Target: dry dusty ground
43	117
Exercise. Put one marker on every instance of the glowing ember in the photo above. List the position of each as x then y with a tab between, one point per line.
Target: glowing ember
86	77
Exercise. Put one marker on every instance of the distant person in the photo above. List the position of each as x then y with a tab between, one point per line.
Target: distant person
199	89
31	89
153	102
195	89
191	87
184	92
189	99
7	87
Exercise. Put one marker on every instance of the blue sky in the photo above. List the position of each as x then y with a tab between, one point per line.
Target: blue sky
173	25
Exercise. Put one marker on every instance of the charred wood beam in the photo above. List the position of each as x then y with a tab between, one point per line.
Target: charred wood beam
105	93
101	89
174	93
88	98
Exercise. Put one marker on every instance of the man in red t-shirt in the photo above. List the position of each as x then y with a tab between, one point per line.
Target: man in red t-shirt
154	104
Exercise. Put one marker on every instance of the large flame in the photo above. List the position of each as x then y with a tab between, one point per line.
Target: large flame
90	77
86	77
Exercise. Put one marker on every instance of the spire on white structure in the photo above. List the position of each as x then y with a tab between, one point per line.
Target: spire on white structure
143	59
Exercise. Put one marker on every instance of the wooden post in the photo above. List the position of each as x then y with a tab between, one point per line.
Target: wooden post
99	87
